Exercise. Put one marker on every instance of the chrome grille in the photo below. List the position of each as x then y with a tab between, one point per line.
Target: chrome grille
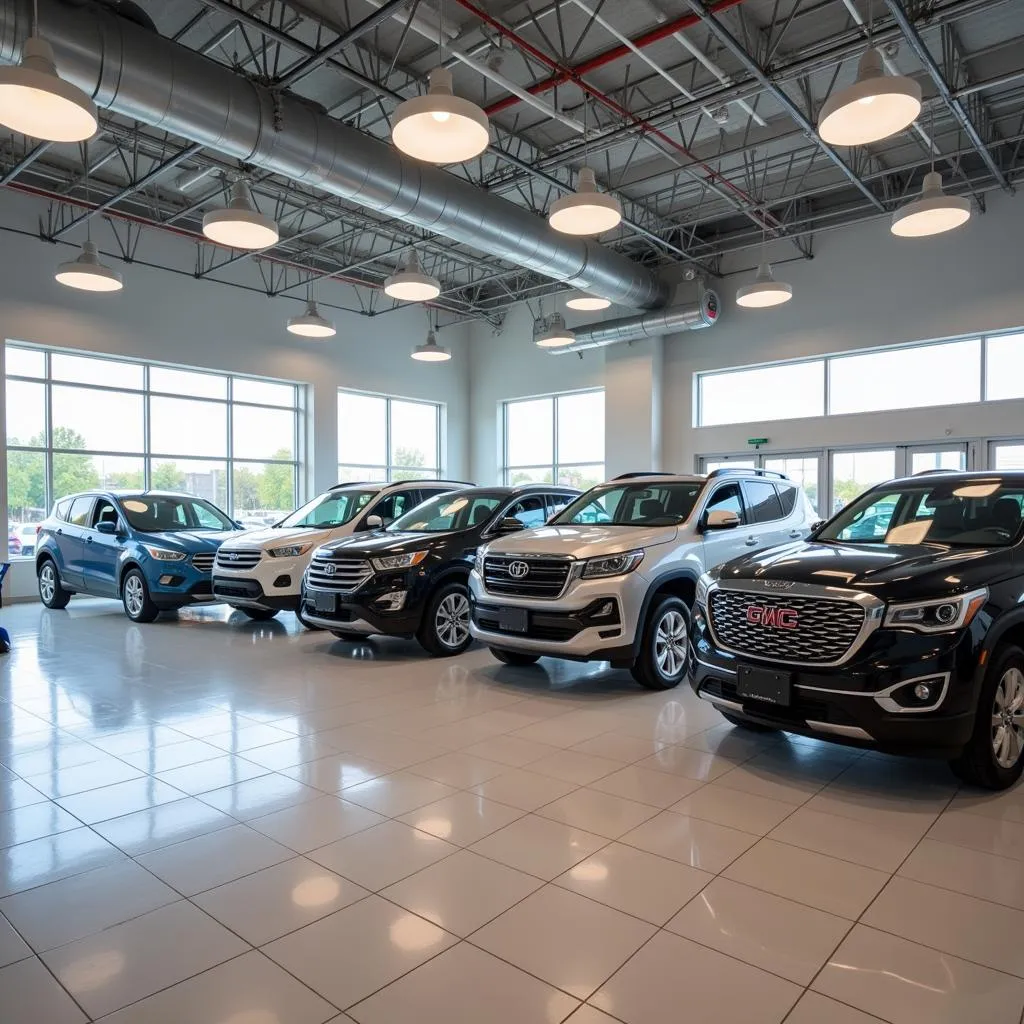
203	561
340	575
544	577
823	633
238	559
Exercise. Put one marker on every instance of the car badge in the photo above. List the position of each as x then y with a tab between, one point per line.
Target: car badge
233	555
517	570
329	570
778	584
771	617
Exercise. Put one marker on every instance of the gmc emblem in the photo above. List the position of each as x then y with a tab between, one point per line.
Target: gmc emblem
775	618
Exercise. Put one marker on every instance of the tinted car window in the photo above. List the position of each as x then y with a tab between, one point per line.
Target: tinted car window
159	514
325	511
104	512
530	511
787	496
448	512
762	501
395	505
632	505
62	508
727	499
557	502
80	509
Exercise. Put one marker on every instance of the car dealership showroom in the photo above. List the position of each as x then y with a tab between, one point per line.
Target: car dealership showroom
513	511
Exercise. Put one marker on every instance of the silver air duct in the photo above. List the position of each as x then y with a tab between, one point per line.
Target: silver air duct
162	83
693	317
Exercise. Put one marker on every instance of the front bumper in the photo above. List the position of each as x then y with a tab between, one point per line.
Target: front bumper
176	584
248	593
854	703
270	583
365	610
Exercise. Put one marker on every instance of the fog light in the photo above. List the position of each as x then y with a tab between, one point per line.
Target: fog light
392	602
283	581
923	692
604	610
166	581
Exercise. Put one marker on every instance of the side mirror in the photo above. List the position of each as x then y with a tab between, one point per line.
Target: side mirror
817	524
509	525
722	519
373	523
107	527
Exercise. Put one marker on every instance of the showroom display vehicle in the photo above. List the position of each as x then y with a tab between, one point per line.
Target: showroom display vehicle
260	571
613	576
153	551
910	641
412	578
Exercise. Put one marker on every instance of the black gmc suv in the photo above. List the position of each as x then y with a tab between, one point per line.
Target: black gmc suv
411	579
898	624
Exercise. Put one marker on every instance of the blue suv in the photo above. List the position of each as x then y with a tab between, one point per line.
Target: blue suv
152	550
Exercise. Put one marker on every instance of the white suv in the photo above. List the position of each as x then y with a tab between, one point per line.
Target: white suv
613	576
260	572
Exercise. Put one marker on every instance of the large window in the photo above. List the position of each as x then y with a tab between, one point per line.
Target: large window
557	439
75	422
900	377
387	438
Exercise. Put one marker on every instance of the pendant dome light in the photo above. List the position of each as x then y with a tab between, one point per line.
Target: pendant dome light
765	291
430	351
555	334
410	284
311	324
588	302
440	128
36	101
240	225
87	273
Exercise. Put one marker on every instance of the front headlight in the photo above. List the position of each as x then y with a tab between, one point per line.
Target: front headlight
940	615
289	551
703	585
478	562
398	561
612	565
165	554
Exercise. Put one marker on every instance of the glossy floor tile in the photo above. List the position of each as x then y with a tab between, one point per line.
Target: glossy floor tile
248	823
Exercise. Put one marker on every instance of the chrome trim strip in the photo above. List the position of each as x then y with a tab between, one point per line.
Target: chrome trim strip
850	731
355	626
874	609
714	668
886	703
721	702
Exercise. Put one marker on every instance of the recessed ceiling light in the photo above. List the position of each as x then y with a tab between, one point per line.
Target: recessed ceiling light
440	128
240	225
585	211
555	334
932	212
88	274
36	101
311	324
876	106
765	291
430	351
410	284
588	302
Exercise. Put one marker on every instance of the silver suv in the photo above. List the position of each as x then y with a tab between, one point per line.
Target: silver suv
612	577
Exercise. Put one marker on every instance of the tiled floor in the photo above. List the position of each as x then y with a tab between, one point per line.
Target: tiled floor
211	821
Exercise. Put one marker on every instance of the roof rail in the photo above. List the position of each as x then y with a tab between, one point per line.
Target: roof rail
642	473
738	470
928	472
355	483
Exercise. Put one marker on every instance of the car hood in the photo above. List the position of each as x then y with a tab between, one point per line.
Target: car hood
380	543
183	540
252	540
892	571
581	541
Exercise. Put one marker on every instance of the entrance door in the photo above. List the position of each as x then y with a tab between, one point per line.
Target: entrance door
854	472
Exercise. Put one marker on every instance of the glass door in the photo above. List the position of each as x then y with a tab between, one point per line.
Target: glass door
854	472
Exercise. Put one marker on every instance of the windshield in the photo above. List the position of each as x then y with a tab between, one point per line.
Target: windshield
325	511
957	512
166	515
632	504
448	512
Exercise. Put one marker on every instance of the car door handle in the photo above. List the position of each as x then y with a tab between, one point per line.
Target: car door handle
88	540
795	533
59	533
751	541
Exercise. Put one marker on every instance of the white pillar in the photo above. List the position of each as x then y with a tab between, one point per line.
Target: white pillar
633	376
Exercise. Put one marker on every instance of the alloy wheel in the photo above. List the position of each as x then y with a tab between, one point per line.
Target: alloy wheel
1008	719
451	622
133	596
47	583
670	644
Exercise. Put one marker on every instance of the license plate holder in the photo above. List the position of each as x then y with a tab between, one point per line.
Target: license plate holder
513	620
765	685
324	602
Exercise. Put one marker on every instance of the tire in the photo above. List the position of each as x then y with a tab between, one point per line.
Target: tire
138	605
661	663
306	624
745	723
259	614
349	638
51	592
514	657
994	755
444	630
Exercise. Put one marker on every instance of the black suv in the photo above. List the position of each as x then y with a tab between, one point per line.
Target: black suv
899	624
411	579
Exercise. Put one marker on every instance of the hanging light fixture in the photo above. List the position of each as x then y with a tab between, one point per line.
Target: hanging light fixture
410	284
876	106
311	324
765	291
430	351
240	225
87	273
554	334
586	211
588	302
440	128
36	101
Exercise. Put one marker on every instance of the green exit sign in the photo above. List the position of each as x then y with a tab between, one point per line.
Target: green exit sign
756	441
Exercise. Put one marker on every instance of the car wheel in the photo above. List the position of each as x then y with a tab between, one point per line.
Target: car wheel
994	755
514	657
138	605
661	663
51	593
746	723
444	630
259	614
312	627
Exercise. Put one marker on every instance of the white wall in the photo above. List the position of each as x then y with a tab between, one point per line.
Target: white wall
177	319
